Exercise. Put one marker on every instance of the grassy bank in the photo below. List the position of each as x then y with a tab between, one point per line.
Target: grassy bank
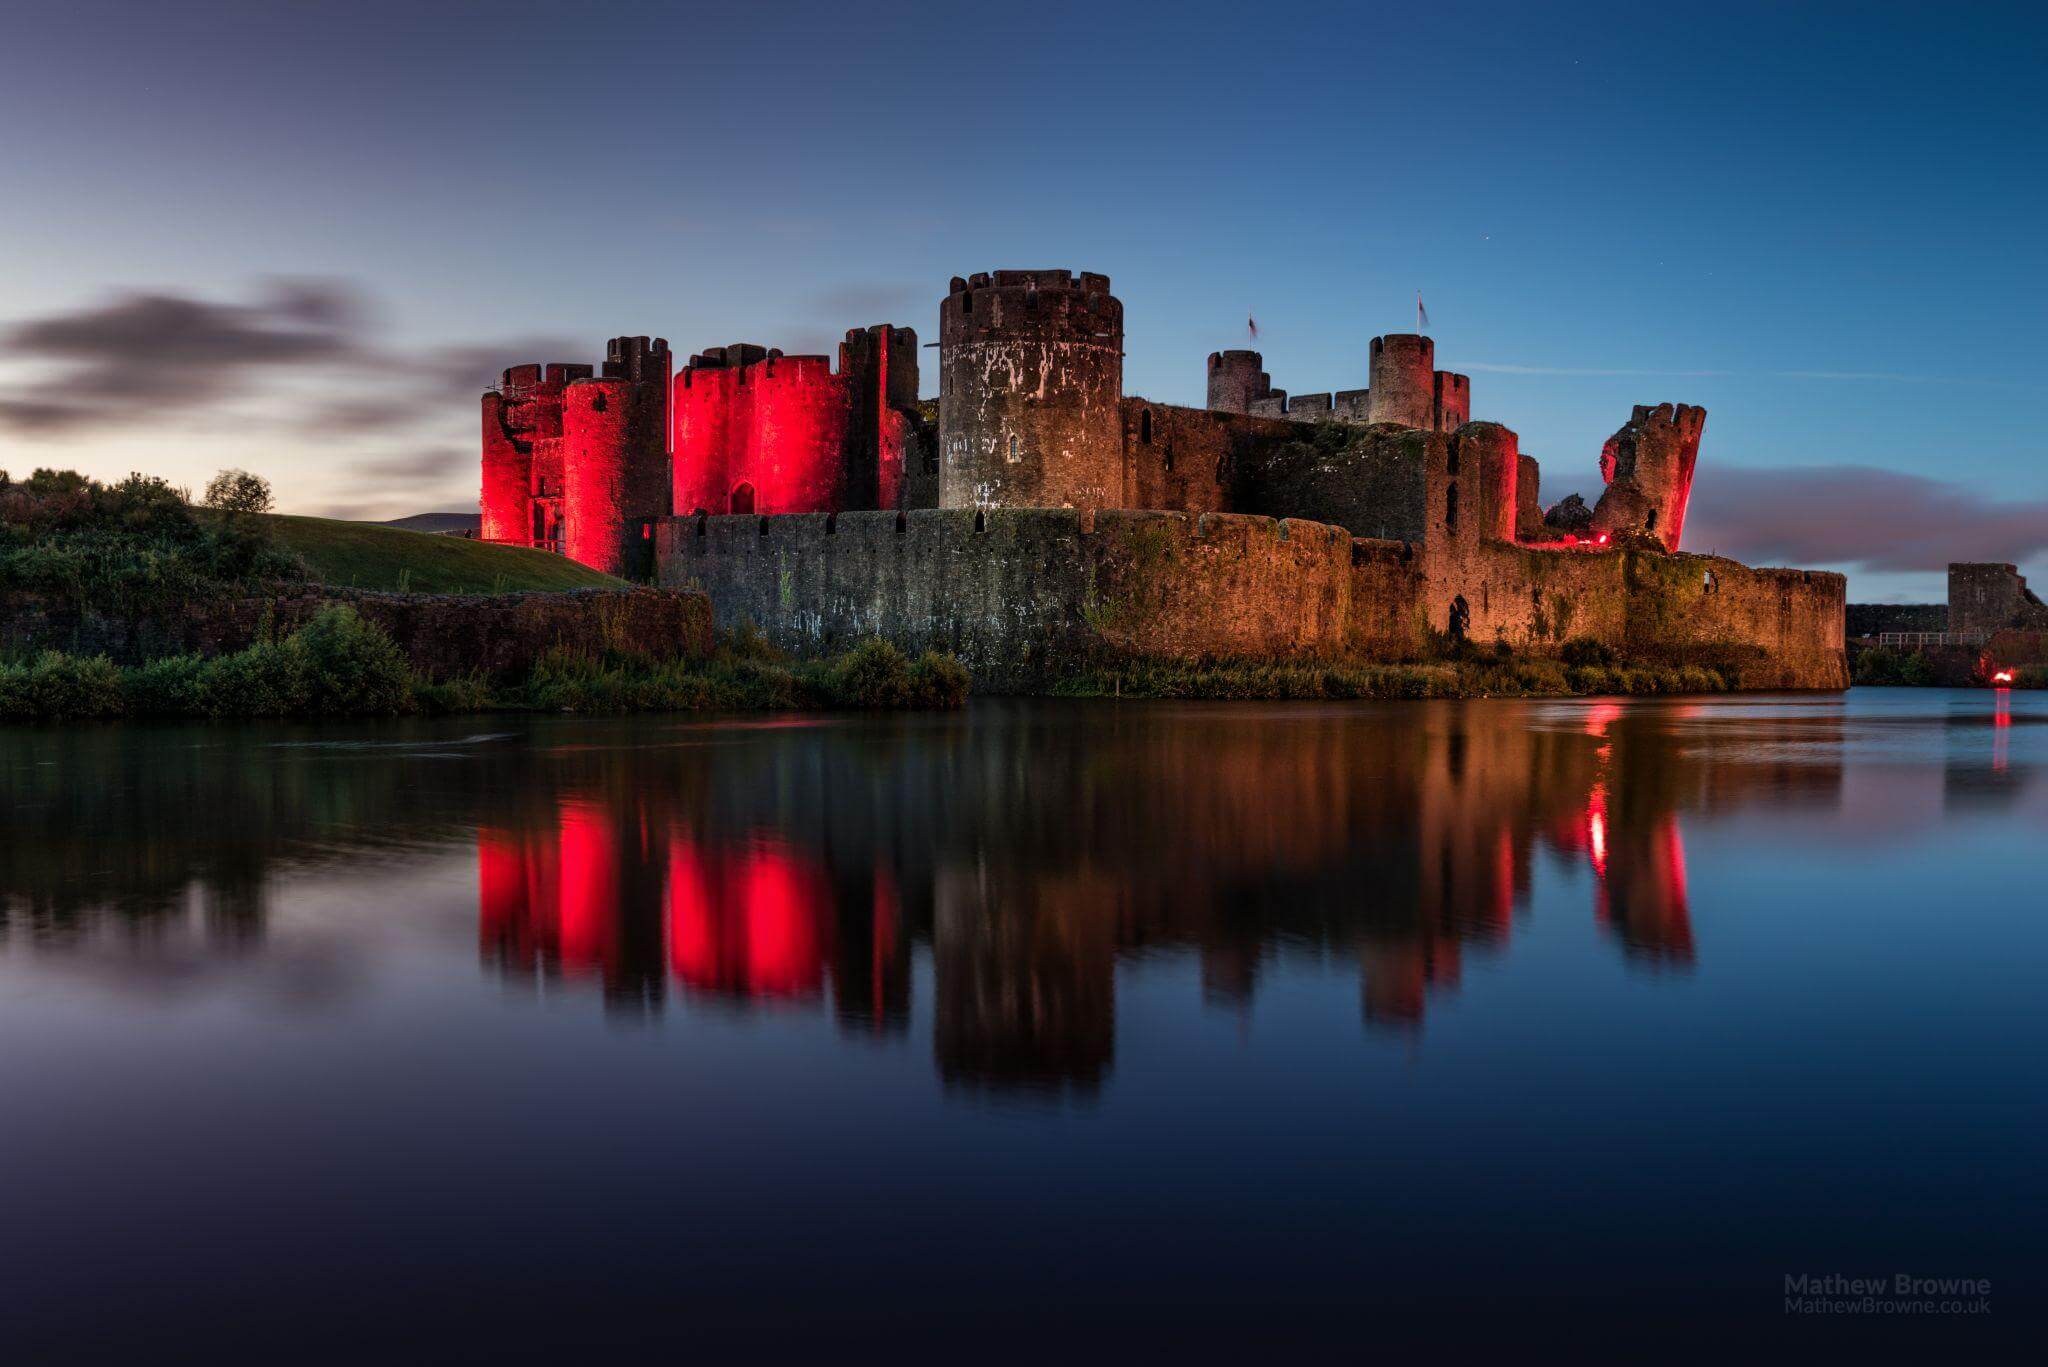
363	555
140	545
338	665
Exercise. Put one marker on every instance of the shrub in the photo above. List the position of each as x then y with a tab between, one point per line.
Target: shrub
174	686
747	642
1877	665
265	680
938	681
872	674
1916	670
1585	651
59	687
470	693
350	666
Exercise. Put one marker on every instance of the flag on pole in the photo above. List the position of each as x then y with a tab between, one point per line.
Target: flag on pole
1421	314
1251	325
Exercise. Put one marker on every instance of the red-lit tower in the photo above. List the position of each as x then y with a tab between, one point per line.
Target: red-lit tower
522	454
615	458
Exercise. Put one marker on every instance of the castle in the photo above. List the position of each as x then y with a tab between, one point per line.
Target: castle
1037	515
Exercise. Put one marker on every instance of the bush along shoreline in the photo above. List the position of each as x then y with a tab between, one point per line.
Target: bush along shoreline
338	665
1583	668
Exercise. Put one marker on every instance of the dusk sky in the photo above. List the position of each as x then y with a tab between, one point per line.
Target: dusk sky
300	238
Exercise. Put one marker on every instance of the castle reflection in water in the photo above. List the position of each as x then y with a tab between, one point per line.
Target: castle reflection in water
1007	862
1031	857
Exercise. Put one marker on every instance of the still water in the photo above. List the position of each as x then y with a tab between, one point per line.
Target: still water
1047	1025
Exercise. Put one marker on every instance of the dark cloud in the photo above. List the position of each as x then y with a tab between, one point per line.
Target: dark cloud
434	465
141	355
465	371
1857	516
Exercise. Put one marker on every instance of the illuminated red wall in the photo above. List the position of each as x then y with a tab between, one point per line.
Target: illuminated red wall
522	450
703	410
777	425
507	476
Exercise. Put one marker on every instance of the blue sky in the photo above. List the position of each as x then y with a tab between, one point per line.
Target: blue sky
1821	222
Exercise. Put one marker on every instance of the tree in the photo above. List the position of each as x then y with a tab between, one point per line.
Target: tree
238	491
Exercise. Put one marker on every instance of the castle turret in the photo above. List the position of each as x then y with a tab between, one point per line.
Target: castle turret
522	453
1648	467
1403	380
1453	400
1030	383
879	364
615	458
1237	379
1470	481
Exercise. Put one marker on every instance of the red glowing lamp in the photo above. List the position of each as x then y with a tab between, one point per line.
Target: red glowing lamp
2003	676
1603	538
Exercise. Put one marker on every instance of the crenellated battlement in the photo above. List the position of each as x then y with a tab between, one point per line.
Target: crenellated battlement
1035	306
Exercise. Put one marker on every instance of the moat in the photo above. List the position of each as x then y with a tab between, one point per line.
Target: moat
1157	1024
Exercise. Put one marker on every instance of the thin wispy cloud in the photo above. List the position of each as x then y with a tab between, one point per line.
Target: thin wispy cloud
1851	376
1497	369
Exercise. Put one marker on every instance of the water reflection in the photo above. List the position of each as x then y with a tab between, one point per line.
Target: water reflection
1023	854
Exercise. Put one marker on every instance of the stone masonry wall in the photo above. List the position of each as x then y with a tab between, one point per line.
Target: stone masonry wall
1021	595
1191	459
1025	595
1775	628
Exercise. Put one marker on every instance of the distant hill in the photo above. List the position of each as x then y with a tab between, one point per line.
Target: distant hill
436	522
372	555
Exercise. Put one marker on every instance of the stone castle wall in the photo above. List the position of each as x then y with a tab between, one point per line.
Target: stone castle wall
1988	597
1019	595
1024	595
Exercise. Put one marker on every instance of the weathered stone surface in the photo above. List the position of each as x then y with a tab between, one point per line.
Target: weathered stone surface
1984	598
1571	517
1371	483
1031	390
1024	595
442	635
1648	466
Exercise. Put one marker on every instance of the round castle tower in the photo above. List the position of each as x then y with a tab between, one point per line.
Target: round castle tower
1030	384
1235	379
1403	380
615	459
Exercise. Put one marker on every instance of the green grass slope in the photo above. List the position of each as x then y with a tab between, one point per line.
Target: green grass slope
363	555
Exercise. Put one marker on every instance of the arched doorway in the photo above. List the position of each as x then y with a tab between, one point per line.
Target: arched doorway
1461	618
743	497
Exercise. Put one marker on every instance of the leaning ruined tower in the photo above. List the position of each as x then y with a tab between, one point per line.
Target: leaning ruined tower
1030	384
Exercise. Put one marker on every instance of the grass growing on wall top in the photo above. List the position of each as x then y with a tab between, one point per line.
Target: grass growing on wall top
362	555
